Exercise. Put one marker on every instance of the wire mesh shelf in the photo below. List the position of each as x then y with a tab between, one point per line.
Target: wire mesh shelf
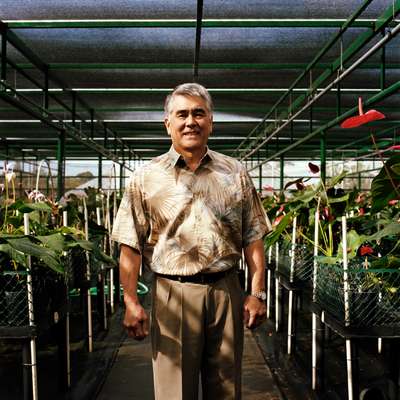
370	300
302	266
48	294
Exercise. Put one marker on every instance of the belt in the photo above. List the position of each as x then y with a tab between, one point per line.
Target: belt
199	277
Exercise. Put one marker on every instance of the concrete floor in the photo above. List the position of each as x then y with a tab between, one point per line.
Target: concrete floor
131	375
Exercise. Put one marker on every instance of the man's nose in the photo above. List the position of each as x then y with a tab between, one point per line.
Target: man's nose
190	120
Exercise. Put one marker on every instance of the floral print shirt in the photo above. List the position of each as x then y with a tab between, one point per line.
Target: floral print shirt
185	222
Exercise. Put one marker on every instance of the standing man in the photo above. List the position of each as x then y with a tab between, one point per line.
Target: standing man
188	214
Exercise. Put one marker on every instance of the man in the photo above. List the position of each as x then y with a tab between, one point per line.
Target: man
188	214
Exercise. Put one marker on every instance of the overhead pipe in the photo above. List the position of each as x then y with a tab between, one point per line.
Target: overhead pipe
320	54
337	120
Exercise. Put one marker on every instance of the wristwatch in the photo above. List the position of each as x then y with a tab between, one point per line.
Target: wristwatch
260	294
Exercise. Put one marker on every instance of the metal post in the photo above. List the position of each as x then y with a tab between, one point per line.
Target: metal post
101	293
278	292
323	157
382	76
67	324
88	297
291	293
281	172
60	165
46	90
260	178
73	114
21	174
269	277
92	123
3	32
315	322
31	316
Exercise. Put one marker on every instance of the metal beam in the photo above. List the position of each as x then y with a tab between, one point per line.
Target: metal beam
198	40
354	47
174	66
380	96
190	23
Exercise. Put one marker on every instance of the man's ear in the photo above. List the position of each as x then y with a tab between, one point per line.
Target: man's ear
167	124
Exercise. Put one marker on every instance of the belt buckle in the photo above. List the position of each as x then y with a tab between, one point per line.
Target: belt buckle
180	278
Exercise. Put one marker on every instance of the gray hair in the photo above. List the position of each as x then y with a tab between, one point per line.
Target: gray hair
189	89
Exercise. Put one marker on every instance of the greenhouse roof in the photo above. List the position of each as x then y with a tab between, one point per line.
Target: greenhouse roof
101	70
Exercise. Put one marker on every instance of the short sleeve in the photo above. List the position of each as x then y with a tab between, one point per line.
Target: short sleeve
131	225
255	222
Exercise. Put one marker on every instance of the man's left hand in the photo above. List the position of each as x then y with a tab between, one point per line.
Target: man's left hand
254	312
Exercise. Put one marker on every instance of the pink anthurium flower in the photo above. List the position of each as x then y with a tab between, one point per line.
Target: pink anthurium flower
268	188
313	168
361	119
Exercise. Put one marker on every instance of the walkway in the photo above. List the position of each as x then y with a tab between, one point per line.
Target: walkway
130	377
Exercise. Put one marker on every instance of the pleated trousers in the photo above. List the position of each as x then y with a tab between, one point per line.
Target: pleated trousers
197	329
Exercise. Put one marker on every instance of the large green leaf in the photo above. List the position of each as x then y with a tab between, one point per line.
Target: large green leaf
55	241
15	255
386	185
274	235
337	179
354	241
389	230
26	246
28	207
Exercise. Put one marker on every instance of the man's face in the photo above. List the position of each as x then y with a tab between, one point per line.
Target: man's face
189	123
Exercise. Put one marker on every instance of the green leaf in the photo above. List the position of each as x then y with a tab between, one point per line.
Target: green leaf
395	168
337	179
389	230
386	185
28	207
354	241
274	235
17	256
55	241
338	199
26	246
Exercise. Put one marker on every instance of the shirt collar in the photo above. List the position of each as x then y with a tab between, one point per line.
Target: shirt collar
174	156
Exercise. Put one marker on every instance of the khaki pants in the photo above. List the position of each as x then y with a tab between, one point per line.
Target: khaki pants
197	329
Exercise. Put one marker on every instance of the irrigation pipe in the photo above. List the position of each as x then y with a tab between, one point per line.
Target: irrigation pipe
346	72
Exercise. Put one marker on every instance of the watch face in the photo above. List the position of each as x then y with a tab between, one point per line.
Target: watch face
263	295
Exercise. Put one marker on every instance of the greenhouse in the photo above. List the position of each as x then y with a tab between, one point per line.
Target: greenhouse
305	95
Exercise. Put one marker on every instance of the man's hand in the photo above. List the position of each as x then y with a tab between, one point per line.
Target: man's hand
136	321
254	312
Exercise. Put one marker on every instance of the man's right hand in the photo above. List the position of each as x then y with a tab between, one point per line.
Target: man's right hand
136	321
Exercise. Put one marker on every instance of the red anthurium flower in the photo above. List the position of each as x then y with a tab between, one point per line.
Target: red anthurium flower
364	250
395	147
277	220
361	211
313	168
300	185
393	202
361	119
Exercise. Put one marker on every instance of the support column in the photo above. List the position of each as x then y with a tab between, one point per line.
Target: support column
382	76
3	72
281	172
46	91
323	157
60	165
